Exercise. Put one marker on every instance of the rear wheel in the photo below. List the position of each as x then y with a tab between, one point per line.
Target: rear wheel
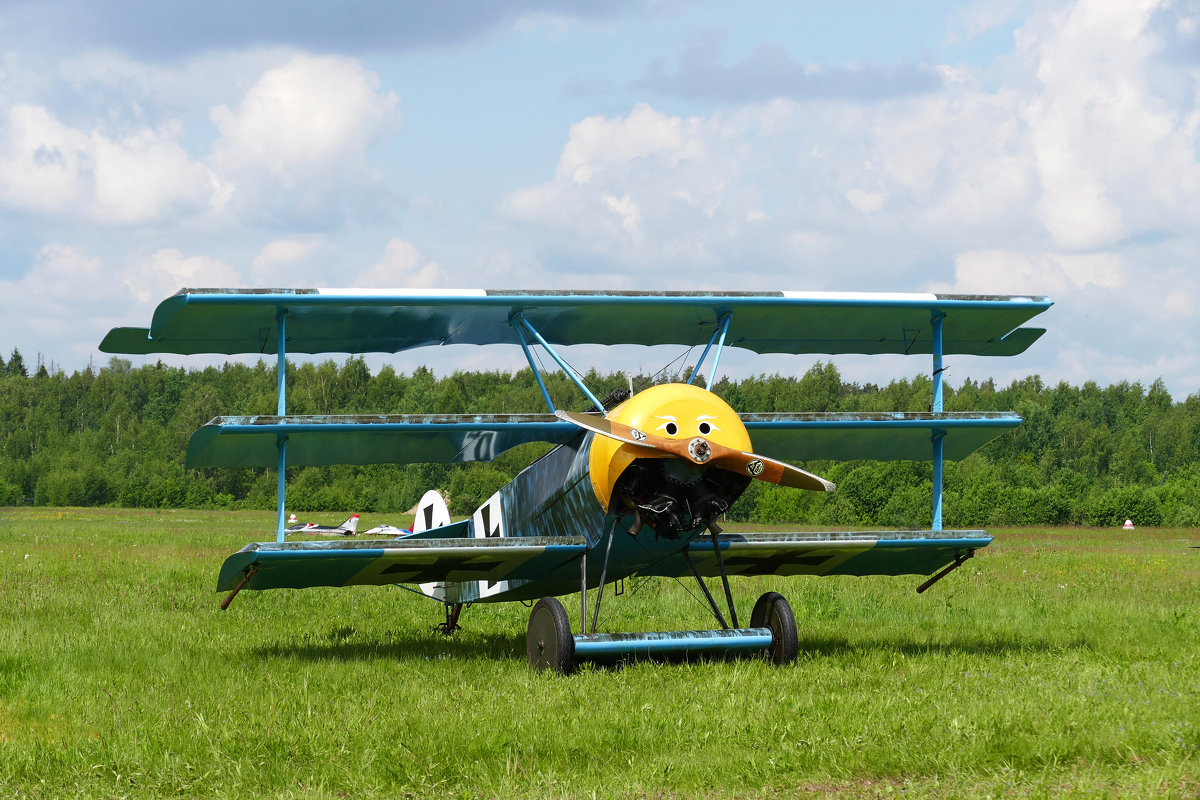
772	611
548	641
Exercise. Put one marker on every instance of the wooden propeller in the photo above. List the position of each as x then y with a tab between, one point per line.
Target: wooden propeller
700	450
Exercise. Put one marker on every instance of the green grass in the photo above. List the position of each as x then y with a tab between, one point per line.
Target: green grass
1057	663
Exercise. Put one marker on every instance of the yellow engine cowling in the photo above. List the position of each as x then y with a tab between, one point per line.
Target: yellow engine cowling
671	411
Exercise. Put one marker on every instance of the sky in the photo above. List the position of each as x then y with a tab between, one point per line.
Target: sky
1048	148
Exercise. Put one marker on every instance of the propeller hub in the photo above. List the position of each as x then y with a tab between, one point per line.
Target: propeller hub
699	450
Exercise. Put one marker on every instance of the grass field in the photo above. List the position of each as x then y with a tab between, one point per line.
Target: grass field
1057	663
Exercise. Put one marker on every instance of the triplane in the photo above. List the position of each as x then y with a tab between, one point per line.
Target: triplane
635	489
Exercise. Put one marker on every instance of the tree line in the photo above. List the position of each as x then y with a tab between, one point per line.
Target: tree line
117	435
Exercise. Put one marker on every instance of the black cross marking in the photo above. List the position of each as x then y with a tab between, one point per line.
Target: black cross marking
485	516
428	573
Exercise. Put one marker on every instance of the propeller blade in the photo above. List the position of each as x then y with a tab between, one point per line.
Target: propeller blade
613	430
702	451
772	471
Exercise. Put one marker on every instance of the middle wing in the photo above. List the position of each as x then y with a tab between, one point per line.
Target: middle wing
841	553
878	436
383	439
251	441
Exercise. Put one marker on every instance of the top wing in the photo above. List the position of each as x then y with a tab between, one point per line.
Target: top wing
830	553
390	320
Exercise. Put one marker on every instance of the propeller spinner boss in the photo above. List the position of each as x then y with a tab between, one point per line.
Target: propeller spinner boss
699	450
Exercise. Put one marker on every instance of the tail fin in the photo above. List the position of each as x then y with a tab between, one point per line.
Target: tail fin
431	512
350	525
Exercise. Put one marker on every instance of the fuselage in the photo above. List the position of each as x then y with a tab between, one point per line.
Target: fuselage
650	505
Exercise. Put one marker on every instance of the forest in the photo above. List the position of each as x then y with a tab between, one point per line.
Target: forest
116	436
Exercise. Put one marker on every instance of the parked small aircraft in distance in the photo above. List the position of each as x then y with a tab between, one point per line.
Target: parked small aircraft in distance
634	485
347	528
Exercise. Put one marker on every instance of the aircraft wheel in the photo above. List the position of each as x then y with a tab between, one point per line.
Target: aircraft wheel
548	641
772	611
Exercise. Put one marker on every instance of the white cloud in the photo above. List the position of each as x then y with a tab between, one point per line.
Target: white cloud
642	189
1075	151
307	261
299	136
63	305
161	274
1115	150
1068	169
138	177
1011	272
626	209
597	144
982	16
401	267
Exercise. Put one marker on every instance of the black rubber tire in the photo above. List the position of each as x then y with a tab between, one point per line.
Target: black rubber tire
548	640
772	611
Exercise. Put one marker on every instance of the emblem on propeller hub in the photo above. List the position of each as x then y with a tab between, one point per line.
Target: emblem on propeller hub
699	450
755	467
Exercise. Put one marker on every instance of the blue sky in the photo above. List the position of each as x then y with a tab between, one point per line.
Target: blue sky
987	147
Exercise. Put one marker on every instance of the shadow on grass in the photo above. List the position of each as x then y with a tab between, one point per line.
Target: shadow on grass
961	645
429	647
478	645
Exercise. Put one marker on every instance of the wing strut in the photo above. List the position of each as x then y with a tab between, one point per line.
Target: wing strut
704	587
519	322
958	562
714	530
537	373
281	404
603	576
937	318
249	574
722	329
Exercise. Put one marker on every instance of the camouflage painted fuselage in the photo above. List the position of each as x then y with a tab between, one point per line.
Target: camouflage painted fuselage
554	497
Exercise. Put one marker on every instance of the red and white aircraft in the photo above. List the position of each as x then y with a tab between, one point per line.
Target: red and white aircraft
347	528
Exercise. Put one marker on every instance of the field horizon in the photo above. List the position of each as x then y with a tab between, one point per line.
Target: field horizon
1059	662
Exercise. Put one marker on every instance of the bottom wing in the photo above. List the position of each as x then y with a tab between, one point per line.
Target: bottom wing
298	565
862	553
